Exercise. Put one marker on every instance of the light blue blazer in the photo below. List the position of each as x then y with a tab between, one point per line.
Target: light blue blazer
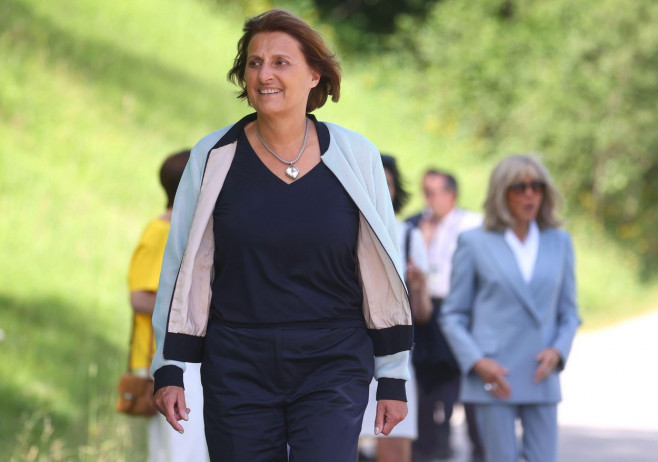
492	312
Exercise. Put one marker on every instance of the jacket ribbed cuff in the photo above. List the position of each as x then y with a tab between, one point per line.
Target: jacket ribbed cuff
166	376
391	340
391	389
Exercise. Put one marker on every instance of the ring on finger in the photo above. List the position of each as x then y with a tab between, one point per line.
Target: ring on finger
489	386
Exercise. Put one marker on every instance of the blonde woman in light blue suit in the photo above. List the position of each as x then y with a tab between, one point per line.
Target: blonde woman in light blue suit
511	315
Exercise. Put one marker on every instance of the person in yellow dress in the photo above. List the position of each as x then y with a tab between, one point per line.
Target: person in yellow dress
164	443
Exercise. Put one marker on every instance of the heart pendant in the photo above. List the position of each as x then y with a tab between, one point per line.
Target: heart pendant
292	171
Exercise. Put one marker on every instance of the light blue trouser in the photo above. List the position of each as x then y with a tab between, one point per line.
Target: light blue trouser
497	430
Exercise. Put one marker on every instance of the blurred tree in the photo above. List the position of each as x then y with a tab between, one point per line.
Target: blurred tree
376	16
574	80
359	26
362	25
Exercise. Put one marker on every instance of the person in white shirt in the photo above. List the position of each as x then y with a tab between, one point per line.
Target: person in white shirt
436	370
397	446
511	314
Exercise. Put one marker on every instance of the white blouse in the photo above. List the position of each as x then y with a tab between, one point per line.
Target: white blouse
526	251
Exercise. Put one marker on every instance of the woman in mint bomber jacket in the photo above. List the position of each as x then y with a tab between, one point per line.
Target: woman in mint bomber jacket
183	299
183	304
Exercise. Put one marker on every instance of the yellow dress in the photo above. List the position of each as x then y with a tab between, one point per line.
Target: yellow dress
144	274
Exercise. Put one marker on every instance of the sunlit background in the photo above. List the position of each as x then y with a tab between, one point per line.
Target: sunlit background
94	95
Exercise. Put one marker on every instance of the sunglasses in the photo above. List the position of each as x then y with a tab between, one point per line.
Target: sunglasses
521	187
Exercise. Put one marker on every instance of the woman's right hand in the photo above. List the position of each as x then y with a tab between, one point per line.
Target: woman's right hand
170	401
493	376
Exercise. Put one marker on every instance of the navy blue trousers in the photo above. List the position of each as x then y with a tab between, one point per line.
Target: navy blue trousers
266	389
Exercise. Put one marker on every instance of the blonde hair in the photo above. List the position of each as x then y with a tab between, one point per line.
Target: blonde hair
497	215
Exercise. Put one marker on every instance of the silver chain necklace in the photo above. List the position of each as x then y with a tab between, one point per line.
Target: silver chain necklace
291	171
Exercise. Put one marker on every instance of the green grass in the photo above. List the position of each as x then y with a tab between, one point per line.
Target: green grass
93	95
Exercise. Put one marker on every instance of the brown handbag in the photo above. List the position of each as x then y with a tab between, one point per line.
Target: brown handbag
135	395
136	391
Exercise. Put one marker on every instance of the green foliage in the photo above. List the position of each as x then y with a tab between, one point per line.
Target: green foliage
358	27
361	26
90	105
375	16
573	80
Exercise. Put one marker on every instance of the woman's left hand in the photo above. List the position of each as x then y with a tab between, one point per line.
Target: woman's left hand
389	414
548	360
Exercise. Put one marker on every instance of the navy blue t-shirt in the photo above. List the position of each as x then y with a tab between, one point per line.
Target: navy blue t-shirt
285	253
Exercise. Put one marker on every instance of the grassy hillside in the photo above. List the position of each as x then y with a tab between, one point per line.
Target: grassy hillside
93	95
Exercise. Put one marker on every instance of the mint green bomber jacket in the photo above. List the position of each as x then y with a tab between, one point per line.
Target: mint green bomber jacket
182	305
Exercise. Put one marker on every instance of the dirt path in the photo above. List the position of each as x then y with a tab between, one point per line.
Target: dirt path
611	379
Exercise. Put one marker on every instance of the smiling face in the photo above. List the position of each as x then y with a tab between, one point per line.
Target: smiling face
277	76
524	198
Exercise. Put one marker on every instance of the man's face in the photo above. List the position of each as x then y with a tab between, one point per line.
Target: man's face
439	199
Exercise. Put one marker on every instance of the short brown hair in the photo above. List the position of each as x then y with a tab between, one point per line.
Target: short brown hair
171	172
450	180
317	54
497	216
